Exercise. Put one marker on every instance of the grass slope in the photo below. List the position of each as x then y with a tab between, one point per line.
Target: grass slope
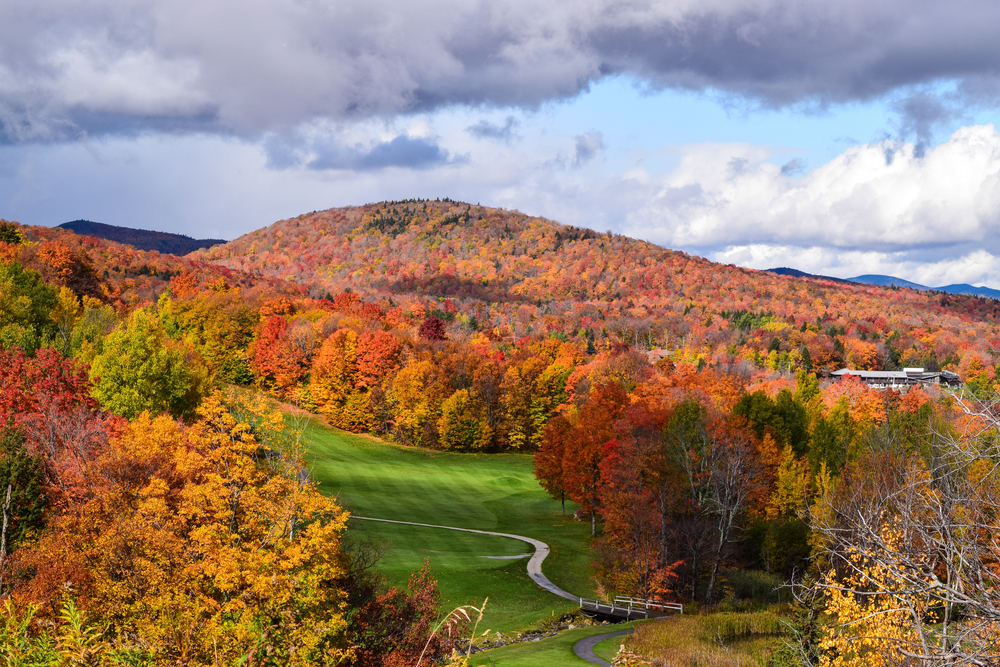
495	492
554	651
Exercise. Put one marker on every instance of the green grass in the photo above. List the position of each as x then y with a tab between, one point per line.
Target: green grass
608	648
554	651
495	492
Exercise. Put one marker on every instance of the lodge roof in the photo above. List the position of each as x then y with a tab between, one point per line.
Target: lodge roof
905	376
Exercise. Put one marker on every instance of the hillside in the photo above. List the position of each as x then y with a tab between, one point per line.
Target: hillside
120	274
173	244
511	275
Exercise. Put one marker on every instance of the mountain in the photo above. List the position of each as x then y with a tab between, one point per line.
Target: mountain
958	288
502	279
526	273
892	281
785	271
964	288
888	281
164	242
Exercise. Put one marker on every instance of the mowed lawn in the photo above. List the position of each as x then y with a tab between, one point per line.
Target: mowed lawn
495	492
554	651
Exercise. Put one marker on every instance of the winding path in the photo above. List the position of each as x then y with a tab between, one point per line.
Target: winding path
584	649
534	565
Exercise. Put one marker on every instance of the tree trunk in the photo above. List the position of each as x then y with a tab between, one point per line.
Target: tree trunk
715	570
3	534
564	505
593	523
711	582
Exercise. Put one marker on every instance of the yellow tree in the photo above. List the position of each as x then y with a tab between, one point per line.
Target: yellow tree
460	426
908	544
415	400
878	617
208	544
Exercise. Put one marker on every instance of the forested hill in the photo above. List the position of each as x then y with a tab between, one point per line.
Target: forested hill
515	275
173	244
119	274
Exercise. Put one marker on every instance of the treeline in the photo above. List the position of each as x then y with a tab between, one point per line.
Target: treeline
695	473
705	314
518	276
874	512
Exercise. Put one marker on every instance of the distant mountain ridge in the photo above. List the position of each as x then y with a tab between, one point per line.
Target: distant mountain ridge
881	280
163	242
786	271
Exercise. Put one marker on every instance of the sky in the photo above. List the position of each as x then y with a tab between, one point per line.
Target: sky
839	137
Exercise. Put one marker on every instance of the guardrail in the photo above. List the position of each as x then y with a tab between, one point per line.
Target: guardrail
629	607
650	604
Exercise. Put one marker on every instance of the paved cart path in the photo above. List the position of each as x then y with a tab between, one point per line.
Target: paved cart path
584	648
534	564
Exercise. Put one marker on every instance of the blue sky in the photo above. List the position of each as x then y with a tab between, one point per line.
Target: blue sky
836	137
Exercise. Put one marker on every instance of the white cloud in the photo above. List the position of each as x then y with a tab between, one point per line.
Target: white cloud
879	196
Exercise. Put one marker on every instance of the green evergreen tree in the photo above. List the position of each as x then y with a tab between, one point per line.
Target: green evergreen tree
9	233
807	362
22	501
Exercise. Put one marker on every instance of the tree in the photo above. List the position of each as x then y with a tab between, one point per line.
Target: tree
720	465
46	399
333	381
416	402
907	539
432	328
25	304
65	316
140	369
392	628
460	425
784	418
10	233
200	548
522	426
549	459
586	448
92	327
22	501
276	363
378	358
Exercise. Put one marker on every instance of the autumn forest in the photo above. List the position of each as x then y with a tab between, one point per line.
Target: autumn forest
156	507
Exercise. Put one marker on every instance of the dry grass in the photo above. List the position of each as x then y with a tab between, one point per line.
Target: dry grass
742	639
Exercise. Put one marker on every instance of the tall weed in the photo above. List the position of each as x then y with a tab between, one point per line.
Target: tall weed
713	640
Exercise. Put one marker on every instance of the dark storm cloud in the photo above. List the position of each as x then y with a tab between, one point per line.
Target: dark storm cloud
74	67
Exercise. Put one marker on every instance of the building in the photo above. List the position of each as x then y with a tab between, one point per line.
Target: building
658	353
908	377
